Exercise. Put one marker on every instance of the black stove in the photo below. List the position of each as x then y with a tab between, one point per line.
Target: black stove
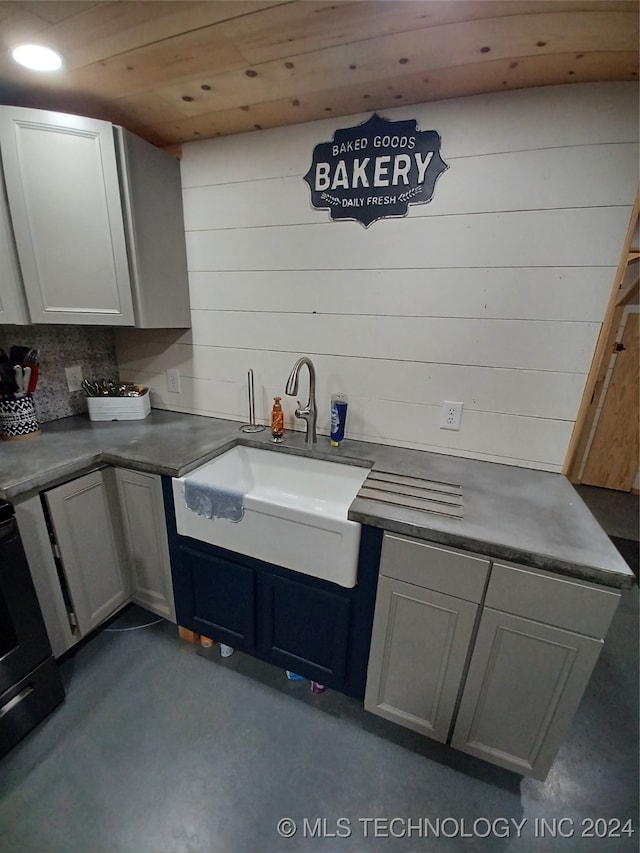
30	684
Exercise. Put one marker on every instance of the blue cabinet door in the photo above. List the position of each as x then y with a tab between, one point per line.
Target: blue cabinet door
304	629
217	598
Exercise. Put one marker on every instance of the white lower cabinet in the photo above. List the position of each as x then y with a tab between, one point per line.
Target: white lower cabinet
101	543
422	633
145	535
86	526
419	646
539	639
503	687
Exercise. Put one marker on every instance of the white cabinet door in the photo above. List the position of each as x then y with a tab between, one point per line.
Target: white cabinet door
86	524
154	224
13	308
419	647
62	185
524	685
145	536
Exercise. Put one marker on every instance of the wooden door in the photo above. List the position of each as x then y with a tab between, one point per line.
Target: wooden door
612	462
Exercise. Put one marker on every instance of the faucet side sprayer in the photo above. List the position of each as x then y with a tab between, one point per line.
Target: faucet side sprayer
309	412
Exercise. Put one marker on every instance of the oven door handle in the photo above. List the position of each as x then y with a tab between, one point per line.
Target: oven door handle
8	529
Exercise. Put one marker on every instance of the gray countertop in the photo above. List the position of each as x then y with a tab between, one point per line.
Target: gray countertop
510	513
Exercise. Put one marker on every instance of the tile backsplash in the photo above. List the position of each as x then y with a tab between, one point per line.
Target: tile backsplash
91	347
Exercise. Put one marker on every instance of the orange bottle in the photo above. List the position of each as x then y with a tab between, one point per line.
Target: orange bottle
277	419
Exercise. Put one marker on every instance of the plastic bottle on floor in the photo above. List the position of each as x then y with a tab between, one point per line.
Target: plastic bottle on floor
292	676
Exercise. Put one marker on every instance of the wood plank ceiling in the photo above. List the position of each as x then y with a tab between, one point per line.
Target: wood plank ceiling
177	71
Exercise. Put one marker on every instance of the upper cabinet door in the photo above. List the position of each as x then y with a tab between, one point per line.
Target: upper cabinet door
62	186
154	224
13	308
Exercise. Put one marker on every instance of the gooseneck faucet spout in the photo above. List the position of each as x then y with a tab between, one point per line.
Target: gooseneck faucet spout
309	412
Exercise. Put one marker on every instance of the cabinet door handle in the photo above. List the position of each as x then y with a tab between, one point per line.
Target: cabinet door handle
16	700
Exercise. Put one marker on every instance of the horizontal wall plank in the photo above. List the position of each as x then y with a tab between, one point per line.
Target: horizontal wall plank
484	435
521	344
525	344
582	237
560	116
505	391
533	293
597	175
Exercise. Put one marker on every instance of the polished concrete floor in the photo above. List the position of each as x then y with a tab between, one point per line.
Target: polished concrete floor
162	747
617	512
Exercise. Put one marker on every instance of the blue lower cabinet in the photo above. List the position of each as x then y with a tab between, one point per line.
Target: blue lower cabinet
219	599
317	629
304	629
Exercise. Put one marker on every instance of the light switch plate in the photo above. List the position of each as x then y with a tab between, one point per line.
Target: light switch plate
74	377
173	380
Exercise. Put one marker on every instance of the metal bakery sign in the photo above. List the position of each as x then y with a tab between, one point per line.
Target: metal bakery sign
375	170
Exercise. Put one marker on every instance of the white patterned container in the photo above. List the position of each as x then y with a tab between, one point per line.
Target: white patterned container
18	418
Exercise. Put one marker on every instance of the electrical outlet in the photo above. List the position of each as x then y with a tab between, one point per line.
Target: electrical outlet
451	415
173	380
74	377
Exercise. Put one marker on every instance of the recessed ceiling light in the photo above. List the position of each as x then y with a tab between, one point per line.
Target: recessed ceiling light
37	58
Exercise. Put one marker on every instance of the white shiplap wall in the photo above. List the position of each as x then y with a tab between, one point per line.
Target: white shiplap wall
492	294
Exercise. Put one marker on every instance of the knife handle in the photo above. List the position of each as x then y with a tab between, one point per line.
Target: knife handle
33	381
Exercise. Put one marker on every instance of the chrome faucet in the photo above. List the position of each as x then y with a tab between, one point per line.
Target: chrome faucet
309	413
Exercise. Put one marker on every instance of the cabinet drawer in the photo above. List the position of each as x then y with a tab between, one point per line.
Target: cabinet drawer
574	605
434	567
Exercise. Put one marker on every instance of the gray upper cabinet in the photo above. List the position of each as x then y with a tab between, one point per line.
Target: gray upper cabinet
61	178
13	307
154	225
97	218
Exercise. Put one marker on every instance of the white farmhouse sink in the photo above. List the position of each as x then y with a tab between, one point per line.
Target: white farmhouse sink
295	511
